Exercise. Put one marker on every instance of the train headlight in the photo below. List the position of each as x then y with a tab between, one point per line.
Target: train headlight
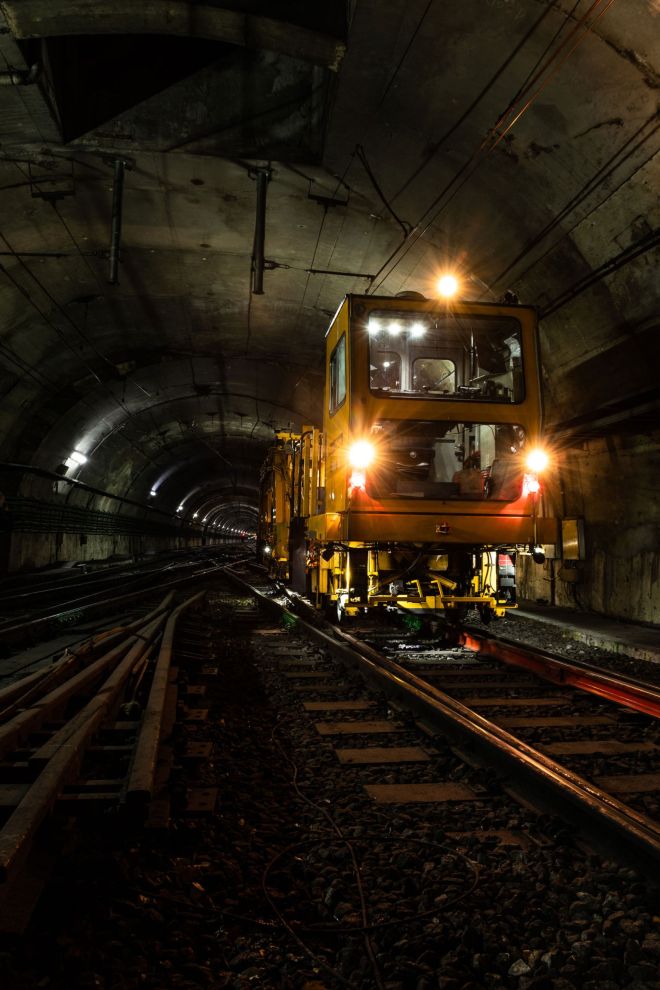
531	485
537	460
361	455
358	479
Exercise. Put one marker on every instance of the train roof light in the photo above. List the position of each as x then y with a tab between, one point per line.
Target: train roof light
394	328
417	330
447	286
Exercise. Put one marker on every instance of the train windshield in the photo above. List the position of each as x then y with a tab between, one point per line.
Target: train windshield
468	357
444	460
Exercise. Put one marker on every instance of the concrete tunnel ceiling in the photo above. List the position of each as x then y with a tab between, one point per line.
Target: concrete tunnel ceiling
512	140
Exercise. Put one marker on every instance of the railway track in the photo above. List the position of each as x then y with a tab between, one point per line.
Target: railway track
541	721
46	612
83	733
311	831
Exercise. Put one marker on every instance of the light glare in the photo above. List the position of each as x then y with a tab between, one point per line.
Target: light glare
447	286
531	485
358	479
537	460
361	454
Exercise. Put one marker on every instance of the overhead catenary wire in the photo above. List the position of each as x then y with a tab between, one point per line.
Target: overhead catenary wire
441	141
96	277
623	154
361	154
496	134
103	288
121	403
340	181
649	242
61	336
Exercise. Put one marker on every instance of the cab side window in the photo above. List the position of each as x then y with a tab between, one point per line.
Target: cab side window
338	375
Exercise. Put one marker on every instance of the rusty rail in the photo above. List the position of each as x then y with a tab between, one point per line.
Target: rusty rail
622	690
58	761
142	776
52	704
551	783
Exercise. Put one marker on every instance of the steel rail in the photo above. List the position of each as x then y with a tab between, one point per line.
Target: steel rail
33	625
141	780
59	760
595	680
23	690
550	780
52	704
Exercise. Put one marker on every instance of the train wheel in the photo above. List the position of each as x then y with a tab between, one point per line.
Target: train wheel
330	610
487	614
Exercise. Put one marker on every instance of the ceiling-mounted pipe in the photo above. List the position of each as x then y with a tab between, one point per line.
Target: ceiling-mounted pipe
115	235
262	175
118	164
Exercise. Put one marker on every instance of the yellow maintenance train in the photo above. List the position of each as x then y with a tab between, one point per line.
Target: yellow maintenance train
425	479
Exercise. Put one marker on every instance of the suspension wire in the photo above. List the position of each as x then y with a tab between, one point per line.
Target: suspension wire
81	333
27	369
67	316
404	55
543	76
479	155
340	182
647	243
437	145
61	336
605	172
360	152
527	82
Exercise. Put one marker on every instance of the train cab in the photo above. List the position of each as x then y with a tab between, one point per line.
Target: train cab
426	477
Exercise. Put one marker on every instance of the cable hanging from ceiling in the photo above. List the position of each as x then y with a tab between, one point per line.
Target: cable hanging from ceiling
517	107
119	402
622	155
48	322
439	143
649	242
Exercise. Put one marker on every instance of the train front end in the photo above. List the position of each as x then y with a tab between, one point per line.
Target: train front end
428	476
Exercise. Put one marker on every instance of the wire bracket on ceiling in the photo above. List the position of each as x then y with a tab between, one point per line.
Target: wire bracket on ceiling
49	184
327	202
263	175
